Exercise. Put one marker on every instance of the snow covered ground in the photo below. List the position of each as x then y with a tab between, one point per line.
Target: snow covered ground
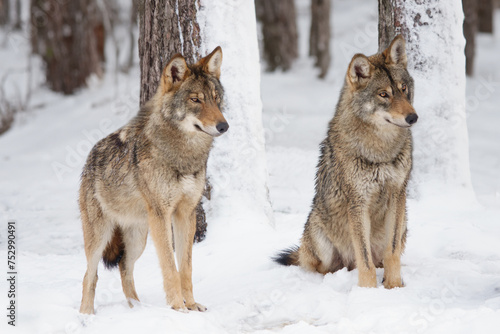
451	266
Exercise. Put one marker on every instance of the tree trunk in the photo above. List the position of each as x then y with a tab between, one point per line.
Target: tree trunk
4	12
18	22
440	137
160	38
131	28
279	29
470	29
168	27
319	36
69	36
485	15
386	28
237	167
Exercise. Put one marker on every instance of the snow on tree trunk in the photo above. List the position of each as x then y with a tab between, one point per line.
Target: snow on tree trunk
436	60
237	164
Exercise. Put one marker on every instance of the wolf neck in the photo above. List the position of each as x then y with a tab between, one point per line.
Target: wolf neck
186	152
375	143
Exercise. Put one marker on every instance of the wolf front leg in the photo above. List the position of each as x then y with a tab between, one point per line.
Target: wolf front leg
160	225
184	231
395	227
359	227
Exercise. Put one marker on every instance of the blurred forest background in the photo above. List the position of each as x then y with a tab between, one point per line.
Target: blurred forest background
69	39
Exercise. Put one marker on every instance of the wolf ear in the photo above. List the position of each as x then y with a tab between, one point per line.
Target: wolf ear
174	73
212	63
360	70
395	54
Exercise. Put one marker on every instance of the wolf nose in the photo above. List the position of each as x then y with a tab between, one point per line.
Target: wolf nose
222	127
411	119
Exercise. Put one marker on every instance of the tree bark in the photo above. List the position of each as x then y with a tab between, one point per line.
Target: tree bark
319	35
439	84
485	15
69	36
279	29
4	12
386	28
470	29
168	27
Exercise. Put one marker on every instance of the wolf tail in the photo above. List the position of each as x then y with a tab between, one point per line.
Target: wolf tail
288	257
115	250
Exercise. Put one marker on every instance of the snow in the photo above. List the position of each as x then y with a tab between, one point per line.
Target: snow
451	266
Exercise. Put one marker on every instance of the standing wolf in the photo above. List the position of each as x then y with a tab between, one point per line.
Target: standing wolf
358	216
151	174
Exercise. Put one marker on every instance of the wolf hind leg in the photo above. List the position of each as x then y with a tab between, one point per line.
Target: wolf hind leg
134	239
96	235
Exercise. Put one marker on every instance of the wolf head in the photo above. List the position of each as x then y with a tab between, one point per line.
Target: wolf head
191	96
381	87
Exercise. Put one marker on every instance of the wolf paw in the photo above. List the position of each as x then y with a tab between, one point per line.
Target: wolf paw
182	309
87	309
179	306
391	284
196	307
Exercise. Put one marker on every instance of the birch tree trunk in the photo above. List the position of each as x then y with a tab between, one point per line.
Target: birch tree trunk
435	47
168	27
69	36
319	35
237	164
279	29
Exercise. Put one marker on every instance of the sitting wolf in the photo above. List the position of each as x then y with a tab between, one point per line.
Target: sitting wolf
358	216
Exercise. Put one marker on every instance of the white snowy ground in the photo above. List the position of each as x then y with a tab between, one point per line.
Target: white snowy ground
451	265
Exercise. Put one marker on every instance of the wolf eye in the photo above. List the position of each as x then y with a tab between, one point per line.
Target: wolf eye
384	95
195	100
403	87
